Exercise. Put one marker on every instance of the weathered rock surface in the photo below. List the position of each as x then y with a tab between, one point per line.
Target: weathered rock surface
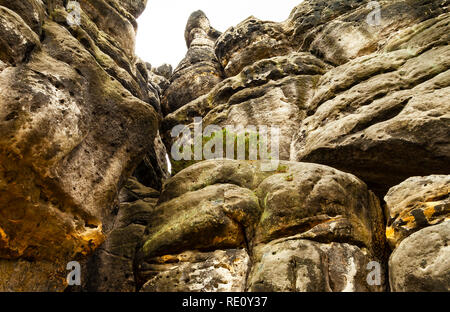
218	271
372	114
74	123
422	261
270	93
296	265
199	71
111	267
419	233
251	41
416	203
220	205
359	92
31	276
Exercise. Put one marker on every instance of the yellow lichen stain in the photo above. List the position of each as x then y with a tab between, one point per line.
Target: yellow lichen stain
429	212
390	233
169	259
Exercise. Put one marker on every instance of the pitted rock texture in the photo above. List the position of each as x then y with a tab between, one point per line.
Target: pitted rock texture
271	92
218	271
199	71
359	92
418	230
421	262
250	41
364	95
378	110
222	205
297	265
111	268
75	120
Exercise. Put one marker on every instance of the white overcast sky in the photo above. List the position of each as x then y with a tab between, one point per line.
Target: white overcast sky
160	37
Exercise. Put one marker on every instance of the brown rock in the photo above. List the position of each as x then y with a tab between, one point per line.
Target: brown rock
72	132
296	265
199	71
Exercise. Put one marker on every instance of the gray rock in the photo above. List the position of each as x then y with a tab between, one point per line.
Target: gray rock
111	267
416	203
218	271
422	261
293	265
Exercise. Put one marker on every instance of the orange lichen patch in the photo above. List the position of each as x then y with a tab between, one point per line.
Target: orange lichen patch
3	236
89	240
410	221
429	211
169	259
4	241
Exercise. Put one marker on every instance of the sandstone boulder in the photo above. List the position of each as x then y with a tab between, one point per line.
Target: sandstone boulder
384	117
415	204
111	267
74	124
218	271
421	262
226	204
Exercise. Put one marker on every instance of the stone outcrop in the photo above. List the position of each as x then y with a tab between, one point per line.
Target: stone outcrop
420	263
269	92
415	204
358	198
75	120
110	268
419	232
199	71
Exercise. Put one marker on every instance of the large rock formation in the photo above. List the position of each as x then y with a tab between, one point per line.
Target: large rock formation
199	71
75	120
233	205
419	230
359	91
